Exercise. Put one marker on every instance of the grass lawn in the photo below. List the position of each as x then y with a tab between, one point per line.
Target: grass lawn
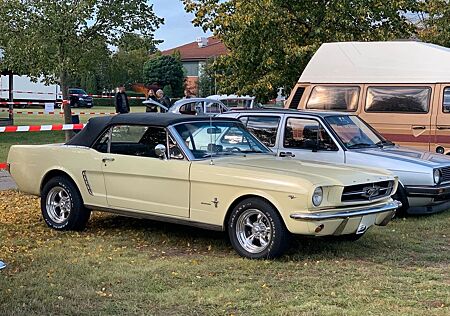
128	266
8	139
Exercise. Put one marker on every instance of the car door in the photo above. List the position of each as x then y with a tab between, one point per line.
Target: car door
307	138
136	179
441	120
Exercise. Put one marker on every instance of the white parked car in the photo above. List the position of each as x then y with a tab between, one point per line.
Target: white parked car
198	106
233	101
424	177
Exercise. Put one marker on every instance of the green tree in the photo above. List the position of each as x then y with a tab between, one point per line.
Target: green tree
271	41
129	59
55	39
207	83
165	71
433	22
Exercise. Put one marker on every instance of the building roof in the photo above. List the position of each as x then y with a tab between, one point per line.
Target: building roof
378	62
97	125
192	51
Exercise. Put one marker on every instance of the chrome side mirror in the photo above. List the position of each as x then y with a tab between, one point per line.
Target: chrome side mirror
160	151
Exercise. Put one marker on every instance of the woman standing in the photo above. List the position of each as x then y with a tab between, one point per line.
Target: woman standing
152	97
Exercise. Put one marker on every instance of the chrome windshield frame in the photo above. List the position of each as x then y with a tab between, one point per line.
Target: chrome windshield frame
187	151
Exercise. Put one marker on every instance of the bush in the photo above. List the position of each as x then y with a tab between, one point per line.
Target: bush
165	71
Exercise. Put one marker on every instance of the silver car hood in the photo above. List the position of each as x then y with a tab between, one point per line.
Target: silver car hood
407	155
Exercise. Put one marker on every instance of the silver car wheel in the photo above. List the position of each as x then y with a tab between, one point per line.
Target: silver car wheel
58	204
253	231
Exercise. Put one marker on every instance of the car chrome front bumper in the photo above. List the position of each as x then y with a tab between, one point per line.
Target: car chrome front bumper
324	215
343	221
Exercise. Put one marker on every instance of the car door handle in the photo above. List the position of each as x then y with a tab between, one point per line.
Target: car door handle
443	127
286	154
108	159
418	127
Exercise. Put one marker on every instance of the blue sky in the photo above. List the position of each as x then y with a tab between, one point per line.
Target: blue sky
177	29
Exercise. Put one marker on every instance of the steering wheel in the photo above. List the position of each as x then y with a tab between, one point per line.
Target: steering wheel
355	140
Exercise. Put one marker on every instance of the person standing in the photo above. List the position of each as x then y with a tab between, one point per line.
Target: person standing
151	95
164	100
121	101
152	107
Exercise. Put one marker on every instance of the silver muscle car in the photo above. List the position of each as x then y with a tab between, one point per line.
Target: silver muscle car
424	177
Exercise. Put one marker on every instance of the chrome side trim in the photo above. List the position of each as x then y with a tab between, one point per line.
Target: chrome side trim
319	216
160	218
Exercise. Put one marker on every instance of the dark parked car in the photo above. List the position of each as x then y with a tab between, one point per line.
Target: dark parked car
79	98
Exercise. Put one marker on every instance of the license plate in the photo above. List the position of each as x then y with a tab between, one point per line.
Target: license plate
365	223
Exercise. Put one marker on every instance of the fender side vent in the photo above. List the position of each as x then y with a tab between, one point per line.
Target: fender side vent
86	182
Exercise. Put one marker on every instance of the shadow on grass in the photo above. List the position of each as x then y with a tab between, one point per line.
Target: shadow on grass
379	245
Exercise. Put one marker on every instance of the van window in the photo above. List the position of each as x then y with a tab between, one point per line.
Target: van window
446	103
334	98
398	99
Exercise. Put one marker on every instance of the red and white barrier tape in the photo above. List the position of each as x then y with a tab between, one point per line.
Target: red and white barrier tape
101	96
3	165
27	103
55	113
40	128
30	92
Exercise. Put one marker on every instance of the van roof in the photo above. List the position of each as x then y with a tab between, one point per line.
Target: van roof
378	62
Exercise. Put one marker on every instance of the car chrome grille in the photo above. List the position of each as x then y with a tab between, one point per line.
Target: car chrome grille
367	191
445	171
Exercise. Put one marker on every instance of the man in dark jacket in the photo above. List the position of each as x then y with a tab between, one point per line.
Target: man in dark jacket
164	100
121	101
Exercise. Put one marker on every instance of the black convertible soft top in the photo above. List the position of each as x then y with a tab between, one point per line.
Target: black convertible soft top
96	125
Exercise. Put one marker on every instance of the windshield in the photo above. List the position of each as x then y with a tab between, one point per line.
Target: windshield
354	133
77	91
205	139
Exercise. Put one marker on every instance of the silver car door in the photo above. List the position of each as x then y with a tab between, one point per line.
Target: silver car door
306	138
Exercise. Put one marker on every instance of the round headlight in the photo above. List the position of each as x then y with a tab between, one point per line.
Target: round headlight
317	197
437	176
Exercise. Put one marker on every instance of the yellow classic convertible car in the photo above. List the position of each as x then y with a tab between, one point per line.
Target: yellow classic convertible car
200	171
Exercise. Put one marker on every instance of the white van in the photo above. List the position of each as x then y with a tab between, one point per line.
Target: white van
25	90
401	88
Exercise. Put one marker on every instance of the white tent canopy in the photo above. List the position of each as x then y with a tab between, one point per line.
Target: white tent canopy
378	62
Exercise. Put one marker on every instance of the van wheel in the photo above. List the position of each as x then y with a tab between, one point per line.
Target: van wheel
256	230
62	206
400	195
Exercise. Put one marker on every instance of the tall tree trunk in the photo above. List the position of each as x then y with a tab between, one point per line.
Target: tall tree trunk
66	104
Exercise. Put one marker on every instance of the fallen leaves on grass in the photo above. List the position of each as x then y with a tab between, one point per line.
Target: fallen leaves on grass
25	235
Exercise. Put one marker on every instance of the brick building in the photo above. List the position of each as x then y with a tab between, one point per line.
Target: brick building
194	55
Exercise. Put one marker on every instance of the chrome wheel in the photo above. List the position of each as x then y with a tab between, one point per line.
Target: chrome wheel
58	204
253	231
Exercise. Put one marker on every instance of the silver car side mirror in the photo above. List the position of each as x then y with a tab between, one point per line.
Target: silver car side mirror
160	151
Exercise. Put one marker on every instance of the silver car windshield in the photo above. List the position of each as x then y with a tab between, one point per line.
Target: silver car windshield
205	139
354	133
